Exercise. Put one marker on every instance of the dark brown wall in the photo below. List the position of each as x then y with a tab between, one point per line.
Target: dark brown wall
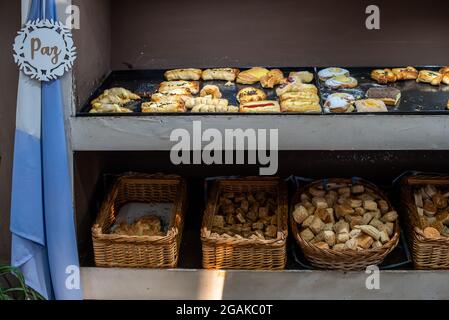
9	25
93	42
163	34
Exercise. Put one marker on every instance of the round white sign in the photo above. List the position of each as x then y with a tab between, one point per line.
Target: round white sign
44	49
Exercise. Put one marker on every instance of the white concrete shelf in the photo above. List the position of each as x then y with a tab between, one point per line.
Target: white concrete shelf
296	132
240	285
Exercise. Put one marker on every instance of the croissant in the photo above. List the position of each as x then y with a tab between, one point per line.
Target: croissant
211	90
183	74
108	108
272	78
252	75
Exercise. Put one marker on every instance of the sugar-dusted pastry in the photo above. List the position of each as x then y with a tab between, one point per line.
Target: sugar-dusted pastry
432	77
296	87
389	95
214	108
332	72
211	90
301	76
249	94
252	75
108	108
300	95
409	73
260	106
303	106
339	103
190	103
370	105
169	97
226	74
341	82
383	76
183	74
157	107
273	78
169	86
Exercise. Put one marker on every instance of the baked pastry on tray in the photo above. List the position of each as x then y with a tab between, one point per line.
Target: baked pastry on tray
383	76
389	95
211	90
301	76
158	107
300	95
252	75
214	108
249	94
109	108
341	82
409	73
339	103
260	107
273	78
113	100
226	74
370	105
328	73
168	97
190	103
183	74
303	106
432	77
444	70
170	86
296	87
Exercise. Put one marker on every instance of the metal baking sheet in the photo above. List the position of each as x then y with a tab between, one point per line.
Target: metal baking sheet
417	98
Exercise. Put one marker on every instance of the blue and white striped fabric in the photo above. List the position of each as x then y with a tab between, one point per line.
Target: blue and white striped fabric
42	219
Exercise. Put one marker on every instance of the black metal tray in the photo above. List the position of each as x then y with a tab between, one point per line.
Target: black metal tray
417	98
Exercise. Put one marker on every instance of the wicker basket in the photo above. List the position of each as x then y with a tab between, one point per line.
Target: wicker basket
342	260
427	253
123	251
245	254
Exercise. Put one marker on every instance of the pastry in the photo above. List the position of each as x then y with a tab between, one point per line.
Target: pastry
272	78
389	95
432	77
249	94
408	73
260	106
171	86
370	105
226	74
109	108
113	101
341	82
328	73
301	76
168	97
169	107
445	79
252	75
444	70
211	90
300	95
303	106
383	76
146	226
296	87
190	103
214	108
183	74
339	103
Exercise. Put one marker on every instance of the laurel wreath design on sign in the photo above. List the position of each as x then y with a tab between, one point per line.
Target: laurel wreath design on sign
44	49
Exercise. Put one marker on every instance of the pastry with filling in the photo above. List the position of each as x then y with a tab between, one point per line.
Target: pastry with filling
252	75
341	82
389	95
158	107
408	73
226	74
190	103
339	103
183	74
296	87
273	78
260	107
383	76
432	77
370	105
171	86
214	108
168	97
332	72
211	90
300	95
249	94
303	106
444	70
301	76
